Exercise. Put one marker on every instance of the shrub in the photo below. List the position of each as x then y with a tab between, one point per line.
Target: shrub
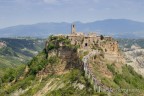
74	75
21	84
118	78
37	66
13	74
111	68
129	78
53	59
101	37
38	63
51	46
51	37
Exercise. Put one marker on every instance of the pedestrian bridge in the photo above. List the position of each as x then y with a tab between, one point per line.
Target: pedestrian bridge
97	85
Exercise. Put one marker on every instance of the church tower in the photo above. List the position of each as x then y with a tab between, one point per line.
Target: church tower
73	30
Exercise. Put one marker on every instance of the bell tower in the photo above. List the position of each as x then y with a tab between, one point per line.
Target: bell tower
73	29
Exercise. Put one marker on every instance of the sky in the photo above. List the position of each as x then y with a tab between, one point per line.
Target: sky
22	12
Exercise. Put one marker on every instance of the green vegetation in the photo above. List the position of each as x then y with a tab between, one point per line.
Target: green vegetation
8	51
13	74
55	42
101	37
37	63
8	62
73	79
51	46
19	85
18	51
70	83
128	79
40	61
53	59
18	44
111	68
127	43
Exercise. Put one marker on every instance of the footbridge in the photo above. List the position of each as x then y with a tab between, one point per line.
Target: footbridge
97	85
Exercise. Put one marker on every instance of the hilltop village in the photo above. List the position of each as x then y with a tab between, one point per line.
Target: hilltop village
93	41
72	64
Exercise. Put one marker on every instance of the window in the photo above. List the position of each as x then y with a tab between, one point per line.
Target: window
86	44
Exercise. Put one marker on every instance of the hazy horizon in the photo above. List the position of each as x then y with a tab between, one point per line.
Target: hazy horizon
68	22
23	12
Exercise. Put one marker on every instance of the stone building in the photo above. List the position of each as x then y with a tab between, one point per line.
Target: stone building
92	41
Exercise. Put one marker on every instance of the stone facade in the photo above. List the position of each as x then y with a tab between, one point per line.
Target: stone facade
92	41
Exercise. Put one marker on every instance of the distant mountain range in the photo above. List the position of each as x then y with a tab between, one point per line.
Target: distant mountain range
118	28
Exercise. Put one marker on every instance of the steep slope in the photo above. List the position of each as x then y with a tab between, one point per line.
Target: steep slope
134	53
58	67
135	58
58	71
116	77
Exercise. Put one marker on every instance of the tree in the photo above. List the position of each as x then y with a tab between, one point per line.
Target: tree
101	37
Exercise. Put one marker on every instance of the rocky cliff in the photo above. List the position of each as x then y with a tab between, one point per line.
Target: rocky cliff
59	71
135	58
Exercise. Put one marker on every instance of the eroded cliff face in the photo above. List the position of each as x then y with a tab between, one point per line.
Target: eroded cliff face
62	56
112	52
59	68
68	55
135	58
64	60
100	61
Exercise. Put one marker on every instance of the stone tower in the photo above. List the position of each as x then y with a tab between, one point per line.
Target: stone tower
73	31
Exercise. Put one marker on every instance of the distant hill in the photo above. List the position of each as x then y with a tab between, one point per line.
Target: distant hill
18	51
120	28
127	43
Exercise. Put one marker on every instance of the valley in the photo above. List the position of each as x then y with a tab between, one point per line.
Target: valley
71	48
57	68
133	50
18	51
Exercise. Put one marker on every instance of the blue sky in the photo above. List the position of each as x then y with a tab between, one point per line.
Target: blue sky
15	12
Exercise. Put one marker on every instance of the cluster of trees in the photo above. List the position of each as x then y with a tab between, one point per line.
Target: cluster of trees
54	42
